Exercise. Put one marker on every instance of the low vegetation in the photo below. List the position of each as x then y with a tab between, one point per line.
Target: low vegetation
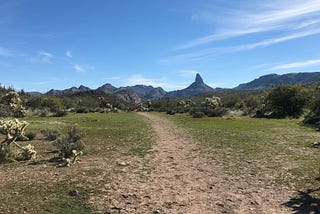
249	147
249	133
108	138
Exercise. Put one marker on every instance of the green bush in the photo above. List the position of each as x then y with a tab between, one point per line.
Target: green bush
70	141
60	113
313	117
44	112
82	110
51	134
5	153
287	100
171	112
29	135
196	112
216	112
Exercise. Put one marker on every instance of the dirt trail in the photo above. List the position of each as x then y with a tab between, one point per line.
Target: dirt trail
181	179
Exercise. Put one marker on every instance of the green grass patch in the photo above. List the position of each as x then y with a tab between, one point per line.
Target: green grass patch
249	146
42	188
103	132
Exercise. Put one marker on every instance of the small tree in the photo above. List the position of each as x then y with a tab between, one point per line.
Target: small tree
313	117
287	100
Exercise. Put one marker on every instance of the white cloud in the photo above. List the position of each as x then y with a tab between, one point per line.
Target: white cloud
82	68
69	54
45	56
281	16
188	73
216	85
210	53
79	68
43	82
300	64
111	78
6	52
272	41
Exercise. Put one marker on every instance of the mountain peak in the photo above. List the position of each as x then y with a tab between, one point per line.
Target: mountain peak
197	87
199	79
199	84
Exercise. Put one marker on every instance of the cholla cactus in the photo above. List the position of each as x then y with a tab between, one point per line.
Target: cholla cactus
141	107
213	102
69	144
27	153
66	162
12	129
184	103
14	102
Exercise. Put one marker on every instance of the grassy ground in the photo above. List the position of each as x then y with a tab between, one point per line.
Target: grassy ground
247	148
252	147
43	188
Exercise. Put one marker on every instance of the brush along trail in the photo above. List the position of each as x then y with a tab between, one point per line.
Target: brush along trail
178	177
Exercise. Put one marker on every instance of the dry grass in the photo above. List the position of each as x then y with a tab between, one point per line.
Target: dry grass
40	187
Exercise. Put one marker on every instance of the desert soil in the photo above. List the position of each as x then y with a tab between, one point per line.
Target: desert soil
178	177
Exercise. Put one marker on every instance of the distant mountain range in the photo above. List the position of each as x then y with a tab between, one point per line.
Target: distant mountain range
266	81
136	94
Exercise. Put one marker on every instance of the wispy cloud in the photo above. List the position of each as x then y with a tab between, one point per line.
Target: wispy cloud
282	16
82	68
69	54
6	52
111	78
299	64
188	73
210	53
273	41
45	56
43	82
79	68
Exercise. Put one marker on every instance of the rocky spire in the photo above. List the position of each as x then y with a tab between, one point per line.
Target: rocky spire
198	79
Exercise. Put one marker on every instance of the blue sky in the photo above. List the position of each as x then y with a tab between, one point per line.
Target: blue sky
58	44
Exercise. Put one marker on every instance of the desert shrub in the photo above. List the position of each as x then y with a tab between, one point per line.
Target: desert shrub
82	110
60	113
5	153
44	112
216	112
29	135
196	112
70	142
51	134
171	112
313	117
5	111
287	100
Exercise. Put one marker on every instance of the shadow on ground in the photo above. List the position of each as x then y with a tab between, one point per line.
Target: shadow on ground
305	202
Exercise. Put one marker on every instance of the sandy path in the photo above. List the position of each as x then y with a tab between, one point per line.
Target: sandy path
181	179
